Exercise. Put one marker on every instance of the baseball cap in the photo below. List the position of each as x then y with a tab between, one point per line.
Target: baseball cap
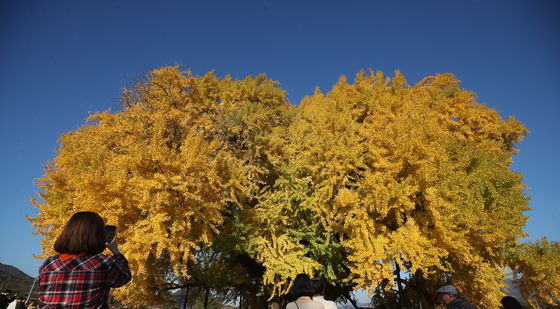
449	289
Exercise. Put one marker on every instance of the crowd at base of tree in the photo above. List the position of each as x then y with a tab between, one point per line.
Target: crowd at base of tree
222	184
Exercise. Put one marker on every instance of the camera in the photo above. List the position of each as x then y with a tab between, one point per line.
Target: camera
110	232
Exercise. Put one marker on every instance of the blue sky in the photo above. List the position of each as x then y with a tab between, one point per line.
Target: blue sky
61	60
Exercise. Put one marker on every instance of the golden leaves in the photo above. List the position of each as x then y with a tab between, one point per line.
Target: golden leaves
413	175
164	170
537	271
372	173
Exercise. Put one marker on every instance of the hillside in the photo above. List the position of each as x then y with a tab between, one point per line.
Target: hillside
13	271
16	280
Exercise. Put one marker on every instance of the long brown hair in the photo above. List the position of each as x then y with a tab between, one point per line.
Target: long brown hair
83	233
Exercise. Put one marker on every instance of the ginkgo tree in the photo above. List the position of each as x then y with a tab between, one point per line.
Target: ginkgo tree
169	170
349	185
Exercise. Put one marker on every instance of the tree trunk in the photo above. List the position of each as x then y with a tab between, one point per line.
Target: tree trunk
207	290
240	298
417	279
185	298
350	300
398	271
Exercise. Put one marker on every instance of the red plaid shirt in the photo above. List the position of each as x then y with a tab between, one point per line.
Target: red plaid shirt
81	282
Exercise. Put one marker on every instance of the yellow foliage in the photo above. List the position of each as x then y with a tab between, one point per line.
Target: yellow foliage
164	170
373	173
417	175
536	268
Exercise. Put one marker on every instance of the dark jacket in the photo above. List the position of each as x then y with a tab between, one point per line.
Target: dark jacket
460	304
20	305
4	301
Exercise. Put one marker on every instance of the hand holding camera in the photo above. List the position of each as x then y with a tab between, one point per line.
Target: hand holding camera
111	240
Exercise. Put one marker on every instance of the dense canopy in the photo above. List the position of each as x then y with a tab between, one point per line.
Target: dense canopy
203	175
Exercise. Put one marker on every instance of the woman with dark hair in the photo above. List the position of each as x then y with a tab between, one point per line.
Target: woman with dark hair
301	292
319	288
510	302
80	276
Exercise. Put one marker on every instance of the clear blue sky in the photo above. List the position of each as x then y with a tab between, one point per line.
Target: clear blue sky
60	60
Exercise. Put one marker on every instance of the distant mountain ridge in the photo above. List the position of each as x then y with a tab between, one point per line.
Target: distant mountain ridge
11	278
13	271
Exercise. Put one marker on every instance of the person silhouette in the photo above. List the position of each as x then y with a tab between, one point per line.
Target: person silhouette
319	288
301	292
448	295
510	302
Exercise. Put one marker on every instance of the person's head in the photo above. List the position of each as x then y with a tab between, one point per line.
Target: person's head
301	286
446	294
83	233
318	286
273	305
510	302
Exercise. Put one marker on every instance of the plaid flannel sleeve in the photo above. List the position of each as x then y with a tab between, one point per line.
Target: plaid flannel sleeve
119	271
